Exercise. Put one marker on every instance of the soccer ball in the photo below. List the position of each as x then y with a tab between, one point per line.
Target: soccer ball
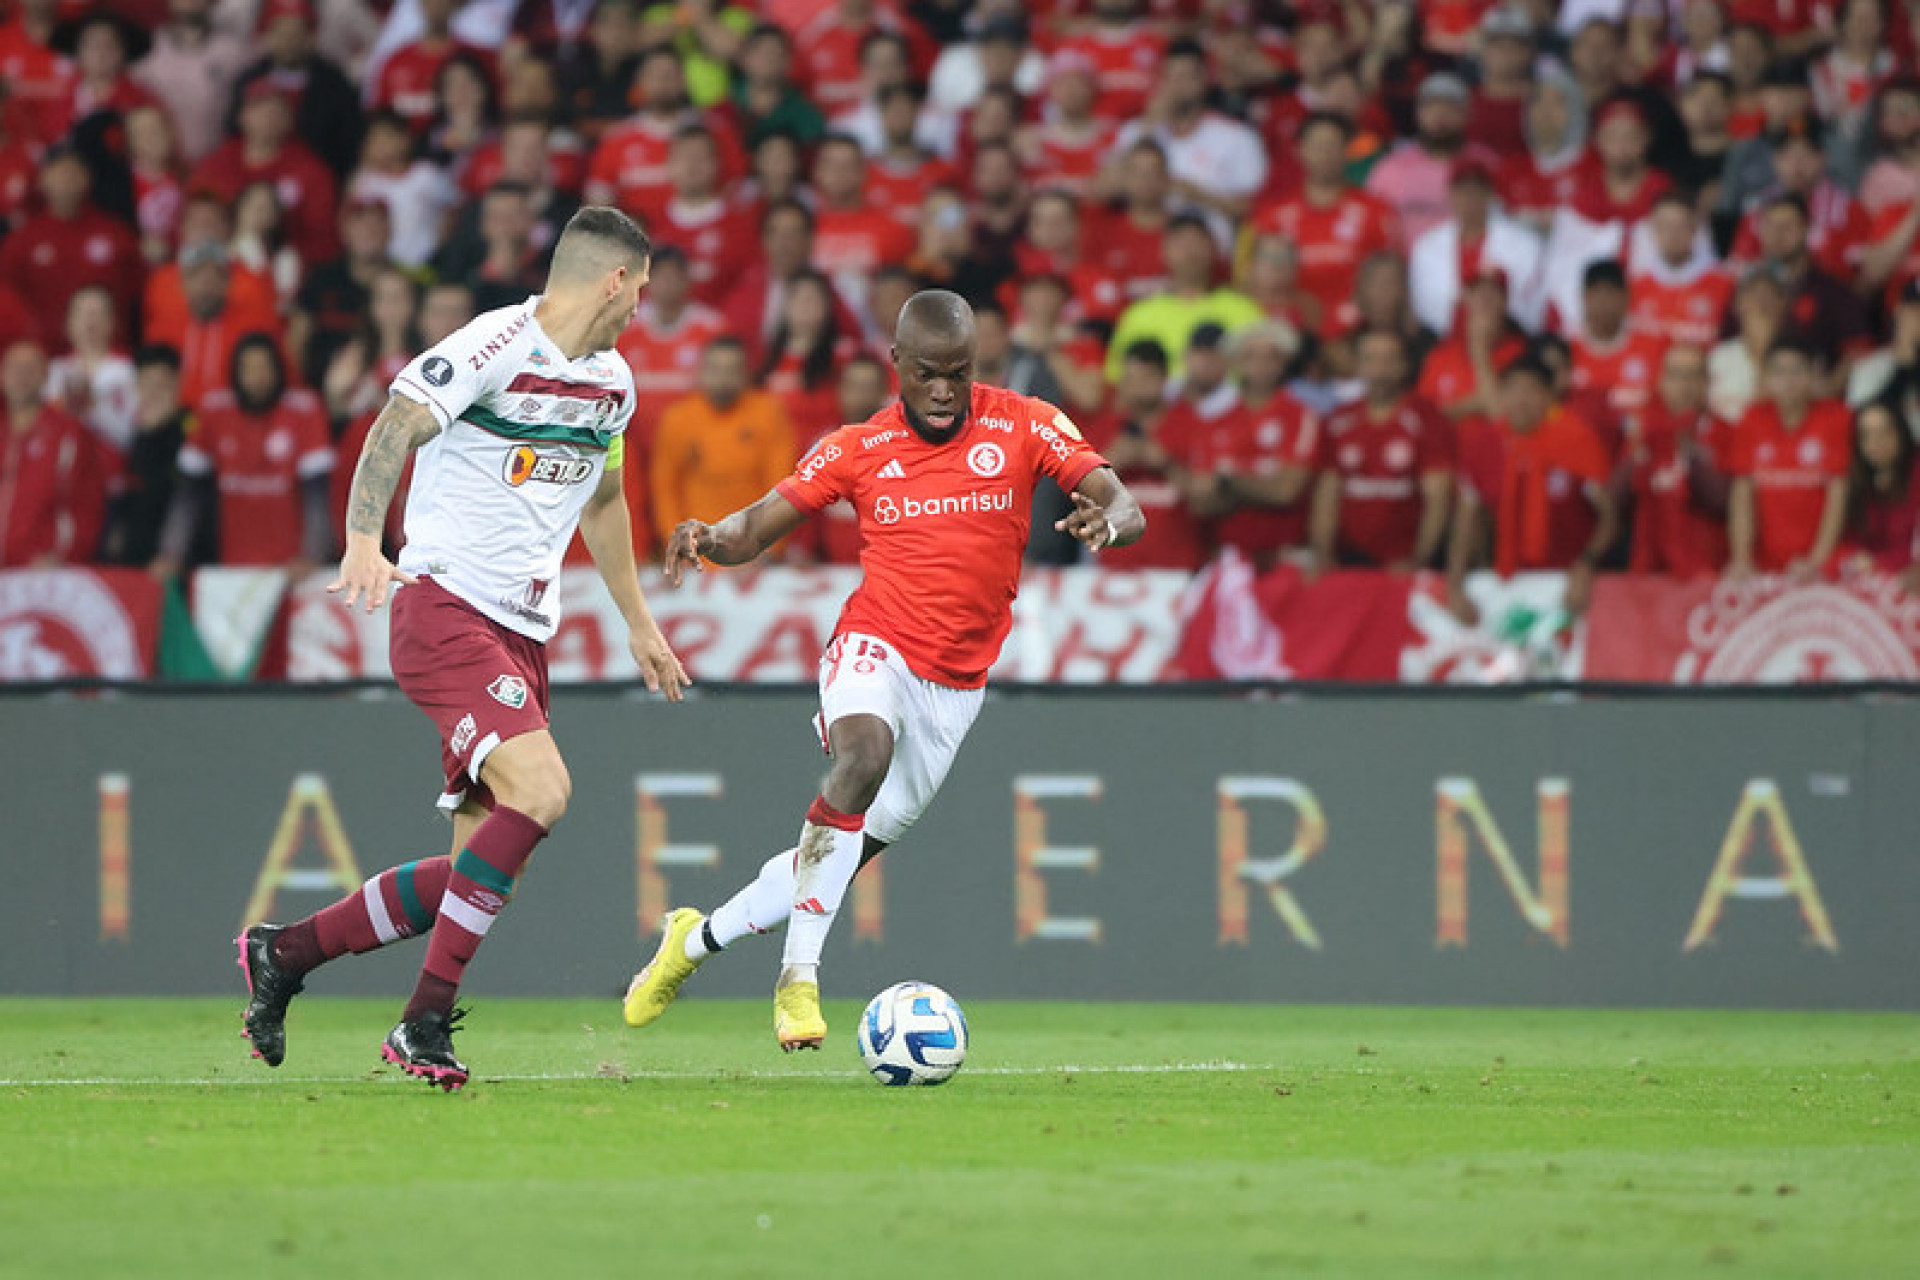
913	1033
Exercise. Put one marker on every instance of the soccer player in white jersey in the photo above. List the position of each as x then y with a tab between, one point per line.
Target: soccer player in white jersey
942	483
518	420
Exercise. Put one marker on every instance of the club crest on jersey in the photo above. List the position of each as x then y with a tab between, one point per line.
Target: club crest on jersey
509	691
525	464
986	460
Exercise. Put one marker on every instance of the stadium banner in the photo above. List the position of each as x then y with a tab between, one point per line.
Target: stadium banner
771	623
1760	631
68	624
1729	850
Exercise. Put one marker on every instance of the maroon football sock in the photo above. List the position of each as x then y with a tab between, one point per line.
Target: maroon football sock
398	903
481	882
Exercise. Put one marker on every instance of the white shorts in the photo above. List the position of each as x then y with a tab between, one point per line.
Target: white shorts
863	675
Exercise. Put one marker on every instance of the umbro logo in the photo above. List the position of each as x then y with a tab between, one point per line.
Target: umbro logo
893	471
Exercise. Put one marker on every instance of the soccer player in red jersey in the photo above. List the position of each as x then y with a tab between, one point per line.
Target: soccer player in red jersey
1386	467
942	482
519	418
1789	458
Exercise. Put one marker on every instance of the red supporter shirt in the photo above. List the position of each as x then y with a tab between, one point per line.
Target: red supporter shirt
52	490
566	167
1449	25
1790	471
1257	440
852	244
1688	314
1332	243
1122	249
1125	64
48	260
1069	166
1380	464
811	410
945	525
827	55
1839	231
1623	372
630	164
39	82
309	196
1671	532
1527	191
1173	539
1782	17
1536	487
406	80
717	241
18	176
899	190
258	462
1447	376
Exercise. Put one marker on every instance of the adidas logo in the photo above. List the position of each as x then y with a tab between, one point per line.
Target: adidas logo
813	905
893	471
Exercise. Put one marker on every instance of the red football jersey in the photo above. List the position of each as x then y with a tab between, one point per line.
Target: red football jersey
1790	471
1065	164
1689	314
407	78
1331	242
1671	532
1257	440
1839	231
1380	465
1624	371
1125	63
854	243
900	190
309	194
945	524
258	462
629	167
47	260
718	242
53	482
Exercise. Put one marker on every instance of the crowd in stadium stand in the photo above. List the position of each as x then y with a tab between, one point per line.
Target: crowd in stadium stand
1621	284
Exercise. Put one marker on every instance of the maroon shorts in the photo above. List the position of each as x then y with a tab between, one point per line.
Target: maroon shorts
479	682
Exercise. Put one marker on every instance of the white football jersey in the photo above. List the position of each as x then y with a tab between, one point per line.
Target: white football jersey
525	435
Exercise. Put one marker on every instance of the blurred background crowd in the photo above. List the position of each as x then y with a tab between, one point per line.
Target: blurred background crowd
1618	284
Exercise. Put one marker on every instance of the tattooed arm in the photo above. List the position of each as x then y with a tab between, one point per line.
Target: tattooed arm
403	426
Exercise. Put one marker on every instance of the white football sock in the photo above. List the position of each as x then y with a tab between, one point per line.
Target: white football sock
825	867
761	907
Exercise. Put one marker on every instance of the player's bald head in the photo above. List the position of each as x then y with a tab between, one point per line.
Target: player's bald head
934	344
934	322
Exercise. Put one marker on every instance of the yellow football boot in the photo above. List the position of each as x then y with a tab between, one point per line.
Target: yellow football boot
655	986
797	1022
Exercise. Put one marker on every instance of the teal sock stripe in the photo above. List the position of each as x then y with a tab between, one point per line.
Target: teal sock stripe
481	872
418	917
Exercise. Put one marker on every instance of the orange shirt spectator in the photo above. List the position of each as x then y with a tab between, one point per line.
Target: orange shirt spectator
204	309
721	448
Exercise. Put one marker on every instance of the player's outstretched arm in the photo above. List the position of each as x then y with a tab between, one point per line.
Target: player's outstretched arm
1104	512
607	528
403	426
735	540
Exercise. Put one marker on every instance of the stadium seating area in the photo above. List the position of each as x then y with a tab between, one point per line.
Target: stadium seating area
1621	284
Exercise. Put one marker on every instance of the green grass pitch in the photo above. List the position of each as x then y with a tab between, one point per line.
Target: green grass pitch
1091	1139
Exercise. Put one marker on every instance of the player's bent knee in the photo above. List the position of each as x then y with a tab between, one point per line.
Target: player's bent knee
538	785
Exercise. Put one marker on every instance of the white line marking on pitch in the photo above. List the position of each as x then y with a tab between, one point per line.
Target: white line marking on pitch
717	1077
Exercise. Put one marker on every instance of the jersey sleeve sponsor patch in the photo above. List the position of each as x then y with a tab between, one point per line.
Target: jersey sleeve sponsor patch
824	476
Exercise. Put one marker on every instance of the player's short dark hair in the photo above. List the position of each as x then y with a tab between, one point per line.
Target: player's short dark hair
603	229
1148	352
157	355
1316	119
1607	271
